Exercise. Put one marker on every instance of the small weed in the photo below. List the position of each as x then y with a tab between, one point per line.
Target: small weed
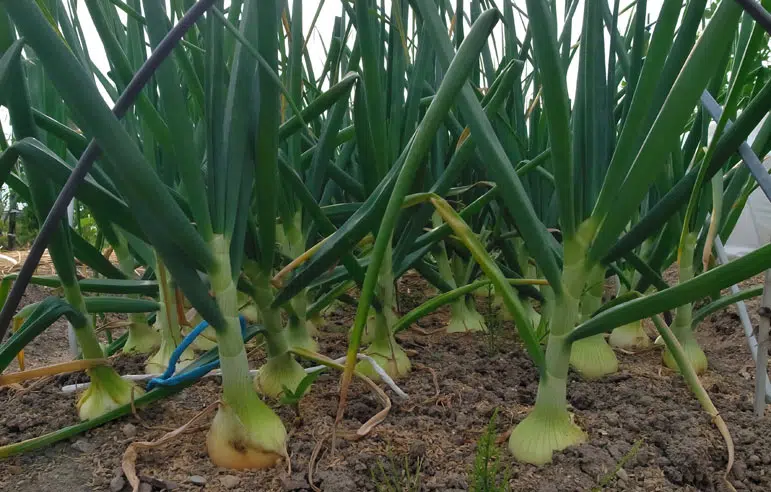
487	464
393	478
293	398
493	322
611	476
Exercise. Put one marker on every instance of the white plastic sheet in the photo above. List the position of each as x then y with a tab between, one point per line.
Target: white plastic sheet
753	229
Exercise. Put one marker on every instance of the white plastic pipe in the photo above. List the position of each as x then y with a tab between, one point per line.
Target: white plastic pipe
744	316
762	362
71	339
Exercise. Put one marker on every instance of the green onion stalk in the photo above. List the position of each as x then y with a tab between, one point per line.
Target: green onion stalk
592	357
385	317
682	326
142	338
464	317
383	347
549	426
534	316
541	320
245	433
168	326
108	390
248	309
630	336
281	371
207	340
529	270
299	329
368	334
472	319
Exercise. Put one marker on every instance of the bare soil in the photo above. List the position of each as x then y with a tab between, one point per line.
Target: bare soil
646	431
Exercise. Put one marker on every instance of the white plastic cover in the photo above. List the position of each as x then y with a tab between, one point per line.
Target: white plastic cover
753	229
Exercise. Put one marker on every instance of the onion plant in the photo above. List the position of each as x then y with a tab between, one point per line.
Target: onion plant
743	59
142	338
168	326
631	336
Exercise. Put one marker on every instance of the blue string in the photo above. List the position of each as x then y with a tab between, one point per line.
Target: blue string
168	379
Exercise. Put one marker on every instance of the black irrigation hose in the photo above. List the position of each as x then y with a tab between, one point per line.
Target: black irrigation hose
757	12
88	157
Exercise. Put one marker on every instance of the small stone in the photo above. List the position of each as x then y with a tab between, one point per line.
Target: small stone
197	480
83	446
753	460
145	487
129	430
622	474
230	481
117	483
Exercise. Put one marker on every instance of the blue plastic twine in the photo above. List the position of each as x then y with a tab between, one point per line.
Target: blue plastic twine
168	379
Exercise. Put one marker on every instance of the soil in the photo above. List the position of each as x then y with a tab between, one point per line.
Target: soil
646	431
